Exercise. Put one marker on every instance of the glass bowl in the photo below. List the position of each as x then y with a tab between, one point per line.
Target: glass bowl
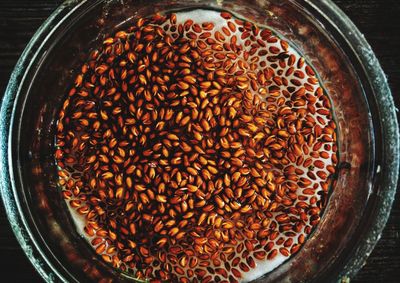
359	203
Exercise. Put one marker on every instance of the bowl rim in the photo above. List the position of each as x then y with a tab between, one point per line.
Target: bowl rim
326	8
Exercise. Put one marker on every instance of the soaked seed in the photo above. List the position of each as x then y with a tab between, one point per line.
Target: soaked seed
180	143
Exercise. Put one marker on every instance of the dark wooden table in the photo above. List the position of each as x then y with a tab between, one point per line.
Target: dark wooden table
379	20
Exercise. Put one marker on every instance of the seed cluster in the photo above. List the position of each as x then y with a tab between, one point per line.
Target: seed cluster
194	150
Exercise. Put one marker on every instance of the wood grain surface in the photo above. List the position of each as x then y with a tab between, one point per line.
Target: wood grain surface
379	20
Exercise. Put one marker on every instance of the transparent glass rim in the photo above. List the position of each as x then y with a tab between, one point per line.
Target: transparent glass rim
52	272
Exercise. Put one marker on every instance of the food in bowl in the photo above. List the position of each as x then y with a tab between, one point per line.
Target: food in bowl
196	146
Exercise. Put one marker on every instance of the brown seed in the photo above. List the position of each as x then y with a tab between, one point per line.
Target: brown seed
226	15
284	252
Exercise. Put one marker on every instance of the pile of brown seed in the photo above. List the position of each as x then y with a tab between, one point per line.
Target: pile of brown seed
192	152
